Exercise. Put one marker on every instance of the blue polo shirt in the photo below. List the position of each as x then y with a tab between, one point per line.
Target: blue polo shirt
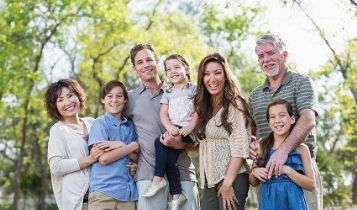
114	179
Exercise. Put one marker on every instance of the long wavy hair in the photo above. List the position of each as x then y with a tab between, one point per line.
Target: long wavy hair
232	94
267	143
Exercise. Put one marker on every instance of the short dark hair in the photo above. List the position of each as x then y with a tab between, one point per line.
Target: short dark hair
55	90
107	87
138	48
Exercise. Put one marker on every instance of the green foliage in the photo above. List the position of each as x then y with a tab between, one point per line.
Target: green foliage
94	38
336	192
5	206
337	127
52	207
90	41
226	31
250	78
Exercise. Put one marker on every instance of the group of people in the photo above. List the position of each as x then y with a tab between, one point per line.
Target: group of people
135	156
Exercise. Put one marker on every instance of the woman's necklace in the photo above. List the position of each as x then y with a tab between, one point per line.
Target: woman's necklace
78	128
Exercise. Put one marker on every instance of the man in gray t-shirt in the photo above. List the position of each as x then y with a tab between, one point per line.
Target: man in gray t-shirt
143	107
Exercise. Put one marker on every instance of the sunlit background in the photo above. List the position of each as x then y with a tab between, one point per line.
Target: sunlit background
44	40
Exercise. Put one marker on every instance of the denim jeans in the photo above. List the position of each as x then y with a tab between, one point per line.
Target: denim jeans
166	161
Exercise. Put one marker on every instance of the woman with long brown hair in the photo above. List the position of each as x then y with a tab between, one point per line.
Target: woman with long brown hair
223	131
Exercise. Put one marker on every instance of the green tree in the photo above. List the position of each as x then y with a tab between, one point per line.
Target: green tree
227	31
338	137
89	41
27	28
337	129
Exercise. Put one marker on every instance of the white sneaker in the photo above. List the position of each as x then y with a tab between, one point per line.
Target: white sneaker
175	204
155	188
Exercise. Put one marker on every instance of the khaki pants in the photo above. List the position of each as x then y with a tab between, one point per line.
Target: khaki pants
85	206
99	201
314	199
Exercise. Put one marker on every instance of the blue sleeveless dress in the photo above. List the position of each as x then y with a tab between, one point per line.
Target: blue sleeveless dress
281	193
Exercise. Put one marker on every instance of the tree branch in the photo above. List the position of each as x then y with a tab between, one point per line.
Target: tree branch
147	28
121	67
151	21
336	140
4	155
343	67
321	33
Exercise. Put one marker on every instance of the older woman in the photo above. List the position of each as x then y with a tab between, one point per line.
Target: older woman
223	132
68	155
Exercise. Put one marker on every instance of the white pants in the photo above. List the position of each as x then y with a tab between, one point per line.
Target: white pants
314	199
160	200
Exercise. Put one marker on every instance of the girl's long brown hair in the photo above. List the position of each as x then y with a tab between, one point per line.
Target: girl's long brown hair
232	94
267	143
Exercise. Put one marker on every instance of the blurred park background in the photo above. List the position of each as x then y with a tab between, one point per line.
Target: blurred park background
89	40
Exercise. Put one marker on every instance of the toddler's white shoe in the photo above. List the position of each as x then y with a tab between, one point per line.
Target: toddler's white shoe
155	188
176	204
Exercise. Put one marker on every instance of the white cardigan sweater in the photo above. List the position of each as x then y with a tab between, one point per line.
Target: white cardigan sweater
69	182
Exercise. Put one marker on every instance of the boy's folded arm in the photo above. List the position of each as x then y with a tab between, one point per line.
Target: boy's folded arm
134	156
118	153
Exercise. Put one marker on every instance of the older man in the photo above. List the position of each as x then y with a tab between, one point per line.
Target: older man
298	90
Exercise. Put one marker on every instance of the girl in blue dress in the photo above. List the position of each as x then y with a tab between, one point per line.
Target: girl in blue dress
284	192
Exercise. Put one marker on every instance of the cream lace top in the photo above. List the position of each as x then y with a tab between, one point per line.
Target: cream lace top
216	150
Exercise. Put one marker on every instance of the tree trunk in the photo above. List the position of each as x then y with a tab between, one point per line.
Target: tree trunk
41	199
354	189
18	172
18	168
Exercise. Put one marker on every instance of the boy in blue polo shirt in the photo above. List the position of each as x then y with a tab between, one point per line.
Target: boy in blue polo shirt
111	184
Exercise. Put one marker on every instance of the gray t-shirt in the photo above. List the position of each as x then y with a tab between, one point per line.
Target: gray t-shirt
180	104
143	107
